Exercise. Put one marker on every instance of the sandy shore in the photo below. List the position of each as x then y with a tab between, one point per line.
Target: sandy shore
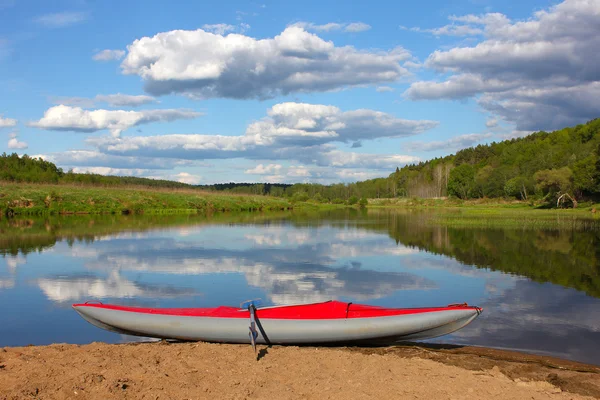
164	370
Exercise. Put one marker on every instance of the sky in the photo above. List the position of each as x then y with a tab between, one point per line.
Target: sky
278	91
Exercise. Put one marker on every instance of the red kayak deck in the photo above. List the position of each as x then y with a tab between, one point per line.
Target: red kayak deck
327	310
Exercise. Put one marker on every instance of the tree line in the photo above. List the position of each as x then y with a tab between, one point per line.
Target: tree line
36	170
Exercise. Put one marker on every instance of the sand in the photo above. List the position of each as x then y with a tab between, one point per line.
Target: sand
164	370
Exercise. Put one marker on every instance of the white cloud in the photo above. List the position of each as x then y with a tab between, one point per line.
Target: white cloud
185	177
537	74
111	171
7	122
515	134
448	30
457	87
299	170
328	27
357	27
88	158
412	64
206	65
261	169
455	143
114	286
108	55
66	118
222	29
334	26
288	129
13	142
219	29
491	123
113	100
338	158
315	123
382	89
61	19
125	100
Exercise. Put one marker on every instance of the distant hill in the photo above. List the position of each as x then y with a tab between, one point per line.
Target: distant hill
542	164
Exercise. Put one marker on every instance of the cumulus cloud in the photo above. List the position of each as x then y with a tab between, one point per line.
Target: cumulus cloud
7	122
201	64
538	74
61	19
108	55
264	169
455	143
315	123
287	128
13	142
66	118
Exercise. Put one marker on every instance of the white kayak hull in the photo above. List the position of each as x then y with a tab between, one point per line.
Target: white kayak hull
281	331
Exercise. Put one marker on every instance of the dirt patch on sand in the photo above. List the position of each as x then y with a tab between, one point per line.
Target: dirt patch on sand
201	370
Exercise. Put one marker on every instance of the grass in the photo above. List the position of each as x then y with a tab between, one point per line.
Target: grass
517	218
494	213
44	199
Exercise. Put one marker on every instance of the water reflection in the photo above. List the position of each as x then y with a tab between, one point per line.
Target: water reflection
296	268
540	288
78	288
539	317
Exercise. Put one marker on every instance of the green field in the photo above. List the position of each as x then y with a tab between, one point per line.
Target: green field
44	199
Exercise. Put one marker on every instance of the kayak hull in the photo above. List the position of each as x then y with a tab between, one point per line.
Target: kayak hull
389	328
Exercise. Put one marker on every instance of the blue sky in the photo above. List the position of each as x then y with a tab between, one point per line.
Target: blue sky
287	92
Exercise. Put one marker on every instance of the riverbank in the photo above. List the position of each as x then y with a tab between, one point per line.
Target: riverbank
478	204
494	213
162	370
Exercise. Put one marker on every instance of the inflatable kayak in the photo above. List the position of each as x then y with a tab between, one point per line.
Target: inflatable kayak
327	322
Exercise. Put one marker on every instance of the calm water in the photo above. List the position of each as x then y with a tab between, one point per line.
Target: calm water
540	289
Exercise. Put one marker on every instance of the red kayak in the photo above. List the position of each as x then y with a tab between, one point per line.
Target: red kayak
327	322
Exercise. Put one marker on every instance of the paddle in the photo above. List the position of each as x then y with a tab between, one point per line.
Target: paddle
253	334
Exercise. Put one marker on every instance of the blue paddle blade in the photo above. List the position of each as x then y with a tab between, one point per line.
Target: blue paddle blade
255	303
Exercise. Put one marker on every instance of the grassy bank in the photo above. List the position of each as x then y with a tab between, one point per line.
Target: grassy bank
43	199
453	202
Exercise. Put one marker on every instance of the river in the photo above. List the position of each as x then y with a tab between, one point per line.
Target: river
540	288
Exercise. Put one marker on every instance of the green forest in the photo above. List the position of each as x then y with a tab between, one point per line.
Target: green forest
558	168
